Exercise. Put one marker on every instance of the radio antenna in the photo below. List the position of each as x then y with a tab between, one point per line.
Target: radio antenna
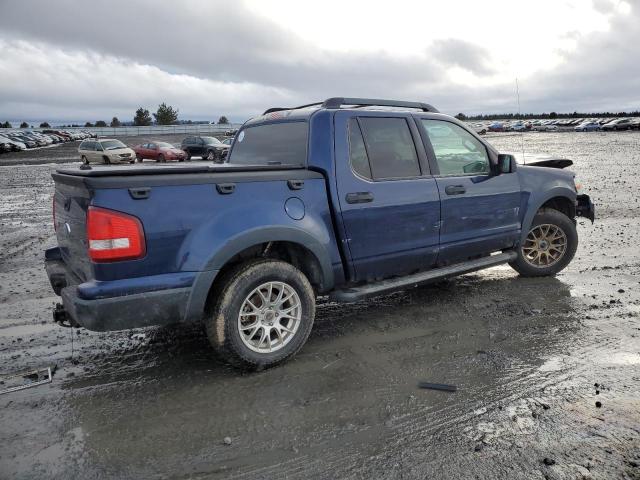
524	162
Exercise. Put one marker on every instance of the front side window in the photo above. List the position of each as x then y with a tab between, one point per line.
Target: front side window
283	143
390	147
457	151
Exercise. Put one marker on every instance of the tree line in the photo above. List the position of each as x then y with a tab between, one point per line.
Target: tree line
164	115
550	115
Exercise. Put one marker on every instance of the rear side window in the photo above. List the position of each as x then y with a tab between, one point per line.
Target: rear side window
271	144
357	151
390	147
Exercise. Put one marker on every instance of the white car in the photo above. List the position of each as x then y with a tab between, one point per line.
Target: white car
14	143
105	151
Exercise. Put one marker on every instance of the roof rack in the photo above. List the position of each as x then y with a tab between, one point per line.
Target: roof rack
337	102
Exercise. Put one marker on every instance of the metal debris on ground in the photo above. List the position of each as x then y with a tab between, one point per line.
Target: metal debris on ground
29	379
438	386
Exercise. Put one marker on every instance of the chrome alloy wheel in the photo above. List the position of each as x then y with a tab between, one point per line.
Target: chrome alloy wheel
545	245
269	317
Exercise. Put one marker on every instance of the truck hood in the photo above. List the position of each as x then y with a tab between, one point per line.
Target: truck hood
542	160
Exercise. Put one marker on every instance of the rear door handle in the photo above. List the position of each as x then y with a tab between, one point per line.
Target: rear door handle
359	197
455	190
225	188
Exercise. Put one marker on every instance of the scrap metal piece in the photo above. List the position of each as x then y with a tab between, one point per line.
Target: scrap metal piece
438	386
38	377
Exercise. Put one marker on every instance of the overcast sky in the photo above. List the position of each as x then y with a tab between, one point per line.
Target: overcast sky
73	60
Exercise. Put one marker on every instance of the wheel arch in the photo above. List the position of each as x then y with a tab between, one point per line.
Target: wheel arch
562	199
294	246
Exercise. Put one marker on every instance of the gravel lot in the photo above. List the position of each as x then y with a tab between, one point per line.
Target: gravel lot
531	357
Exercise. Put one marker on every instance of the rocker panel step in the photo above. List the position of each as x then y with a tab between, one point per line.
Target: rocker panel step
355	294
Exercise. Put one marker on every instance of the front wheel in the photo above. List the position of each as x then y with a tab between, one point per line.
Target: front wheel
211	156
550	245
261	314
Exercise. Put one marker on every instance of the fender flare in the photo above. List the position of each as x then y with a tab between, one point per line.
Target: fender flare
536	201
204	280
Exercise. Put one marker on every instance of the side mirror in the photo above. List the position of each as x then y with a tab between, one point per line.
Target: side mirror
506	164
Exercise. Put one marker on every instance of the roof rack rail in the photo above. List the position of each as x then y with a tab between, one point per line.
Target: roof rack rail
338	102
280	109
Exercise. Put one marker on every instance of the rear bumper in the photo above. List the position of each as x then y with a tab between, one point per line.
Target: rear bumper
128	303
585	208
161	307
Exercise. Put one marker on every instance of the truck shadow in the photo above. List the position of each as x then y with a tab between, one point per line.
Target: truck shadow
352	384
484	303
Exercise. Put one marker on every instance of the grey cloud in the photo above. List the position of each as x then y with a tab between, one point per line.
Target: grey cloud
455	52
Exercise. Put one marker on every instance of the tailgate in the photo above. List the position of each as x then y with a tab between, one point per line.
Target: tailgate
71	201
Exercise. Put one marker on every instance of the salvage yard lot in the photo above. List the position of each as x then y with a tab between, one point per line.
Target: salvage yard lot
530	357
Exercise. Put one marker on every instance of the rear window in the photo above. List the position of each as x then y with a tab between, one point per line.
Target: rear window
271	144
112	144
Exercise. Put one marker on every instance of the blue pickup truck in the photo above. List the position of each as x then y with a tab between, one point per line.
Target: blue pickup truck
348	198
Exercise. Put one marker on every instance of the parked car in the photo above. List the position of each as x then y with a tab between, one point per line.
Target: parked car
105	151
159	151
618	124
15	144
335	200
496	127
27	141
208	148
588	127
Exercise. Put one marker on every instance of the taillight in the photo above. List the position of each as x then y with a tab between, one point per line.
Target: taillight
114	236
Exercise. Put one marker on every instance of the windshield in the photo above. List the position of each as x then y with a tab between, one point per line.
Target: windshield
211	140
271	144
164	145
112	144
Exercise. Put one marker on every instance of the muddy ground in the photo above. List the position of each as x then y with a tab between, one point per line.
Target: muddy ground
530	357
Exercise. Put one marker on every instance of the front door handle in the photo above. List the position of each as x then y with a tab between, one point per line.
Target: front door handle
359	197
455	190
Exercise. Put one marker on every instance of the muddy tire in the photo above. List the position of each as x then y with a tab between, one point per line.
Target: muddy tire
550	245
261	314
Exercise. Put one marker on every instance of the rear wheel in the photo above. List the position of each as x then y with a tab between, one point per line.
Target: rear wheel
138	158
550	245
261	315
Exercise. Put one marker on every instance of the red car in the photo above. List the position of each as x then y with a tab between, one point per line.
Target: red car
159	151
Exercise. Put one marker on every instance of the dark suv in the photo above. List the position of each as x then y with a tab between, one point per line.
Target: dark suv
209	148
